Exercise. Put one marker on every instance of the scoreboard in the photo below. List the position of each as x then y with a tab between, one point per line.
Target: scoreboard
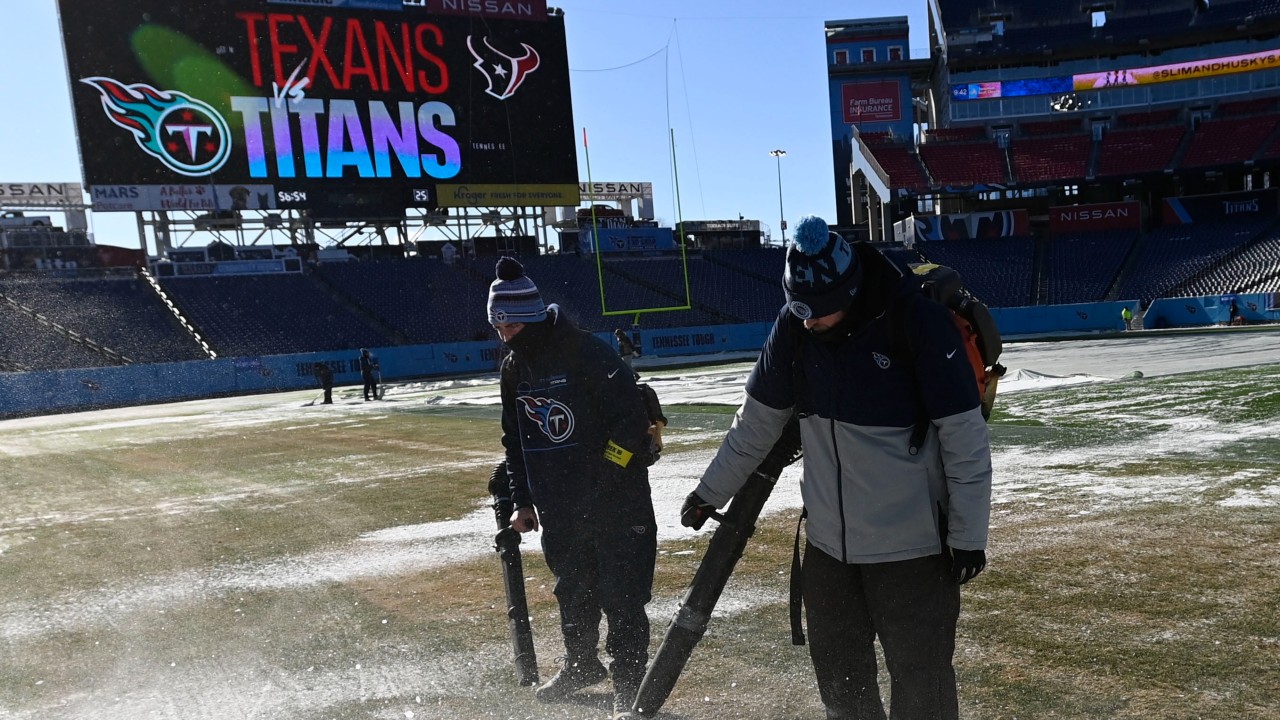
370	107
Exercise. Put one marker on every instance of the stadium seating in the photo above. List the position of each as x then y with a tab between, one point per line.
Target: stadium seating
1050	159
1051	127
1169	257
1227	141
248	315
1255	267
123	314
900	164
29	345
997	270
964	164
1082	266
403	294
1152	118
1254	106
1138	151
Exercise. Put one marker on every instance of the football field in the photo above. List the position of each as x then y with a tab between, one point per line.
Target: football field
265	557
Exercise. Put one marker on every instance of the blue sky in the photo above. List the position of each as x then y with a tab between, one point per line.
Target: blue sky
734	80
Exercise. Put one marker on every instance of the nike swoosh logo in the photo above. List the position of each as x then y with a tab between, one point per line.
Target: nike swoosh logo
953	352
615	372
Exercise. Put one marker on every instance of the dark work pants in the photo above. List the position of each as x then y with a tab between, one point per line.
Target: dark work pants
607	570
912	606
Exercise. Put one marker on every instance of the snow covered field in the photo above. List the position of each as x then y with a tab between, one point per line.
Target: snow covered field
1137	419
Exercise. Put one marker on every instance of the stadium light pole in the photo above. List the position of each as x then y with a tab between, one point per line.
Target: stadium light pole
782	217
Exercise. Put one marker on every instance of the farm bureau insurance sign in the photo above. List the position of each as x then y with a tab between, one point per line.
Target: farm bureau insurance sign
316	103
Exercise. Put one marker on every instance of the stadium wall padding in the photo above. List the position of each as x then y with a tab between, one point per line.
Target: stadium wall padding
1211	310
1062	319
50	391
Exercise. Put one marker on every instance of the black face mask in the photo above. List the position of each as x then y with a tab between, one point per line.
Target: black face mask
840	330
531	338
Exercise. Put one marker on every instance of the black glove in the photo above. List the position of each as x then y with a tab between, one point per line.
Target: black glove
695	511
966	564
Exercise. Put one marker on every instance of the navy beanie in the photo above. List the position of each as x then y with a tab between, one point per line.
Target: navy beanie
513	298
823	273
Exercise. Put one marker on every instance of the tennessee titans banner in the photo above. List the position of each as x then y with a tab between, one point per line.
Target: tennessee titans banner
353	104
979	225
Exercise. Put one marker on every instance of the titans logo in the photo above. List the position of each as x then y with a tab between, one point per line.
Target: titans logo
503	72
184	133
554	418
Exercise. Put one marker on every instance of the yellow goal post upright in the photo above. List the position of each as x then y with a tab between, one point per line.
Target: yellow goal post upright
605	310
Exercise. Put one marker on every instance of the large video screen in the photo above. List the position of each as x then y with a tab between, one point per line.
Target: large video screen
361	107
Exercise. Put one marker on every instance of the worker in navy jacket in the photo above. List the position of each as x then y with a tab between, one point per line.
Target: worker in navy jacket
892	531
575	431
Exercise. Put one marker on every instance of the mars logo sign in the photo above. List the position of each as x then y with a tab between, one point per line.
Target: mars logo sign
184	133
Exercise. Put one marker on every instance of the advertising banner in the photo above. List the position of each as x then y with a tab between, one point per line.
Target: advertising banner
507	195
1224	206
312	103
1010	88
1099	216
529	10
41	194
871	101
1192	70
643	239
963	226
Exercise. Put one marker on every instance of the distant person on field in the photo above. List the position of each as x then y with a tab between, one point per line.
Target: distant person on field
324	376
1127	316
897	472
575	431
626	349
1233	314
369	373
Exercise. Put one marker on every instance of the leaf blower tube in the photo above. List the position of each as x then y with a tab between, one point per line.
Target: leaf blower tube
737	524
507	544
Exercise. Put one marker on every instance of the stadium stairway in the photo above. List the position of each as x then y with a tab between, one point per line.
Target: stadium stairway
186	324
1095	152
113	357
1040	272
1181	152
1126	267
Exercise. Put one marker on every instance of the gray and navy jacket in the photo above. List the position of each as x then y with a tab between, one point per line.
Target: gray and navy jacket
574	427
868	499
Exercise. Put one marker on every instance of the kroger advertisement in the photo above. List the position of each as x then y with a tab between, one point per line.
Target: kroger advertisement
305	102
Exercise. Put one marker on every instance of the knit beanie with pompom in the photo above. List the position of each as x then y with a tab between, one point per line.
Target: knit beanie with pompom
822	274
513	298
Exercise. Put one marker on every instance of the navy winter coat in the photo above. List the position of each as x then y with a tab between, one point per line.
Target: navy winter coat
868	499
569	404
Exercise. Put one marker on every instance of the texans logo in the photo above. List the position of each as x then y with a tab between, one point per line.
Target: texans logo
503	72
553	418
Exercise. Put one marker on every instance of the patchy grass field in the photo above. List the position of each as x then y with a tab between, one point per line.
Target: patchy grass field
252	558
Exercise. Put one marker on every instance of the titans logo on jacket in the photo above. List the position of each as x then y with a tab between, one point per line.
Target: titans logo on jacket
553	417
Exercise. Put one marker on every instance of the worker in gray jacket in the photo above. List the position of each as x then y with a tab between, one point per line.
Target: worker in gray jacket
897	471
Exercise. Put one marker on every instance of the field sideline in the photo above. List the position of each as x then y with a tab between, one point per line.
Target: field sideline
254	558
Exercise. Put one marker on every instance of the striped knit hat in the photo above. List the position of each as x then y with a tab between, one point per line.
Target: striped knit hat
513	298
823	274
